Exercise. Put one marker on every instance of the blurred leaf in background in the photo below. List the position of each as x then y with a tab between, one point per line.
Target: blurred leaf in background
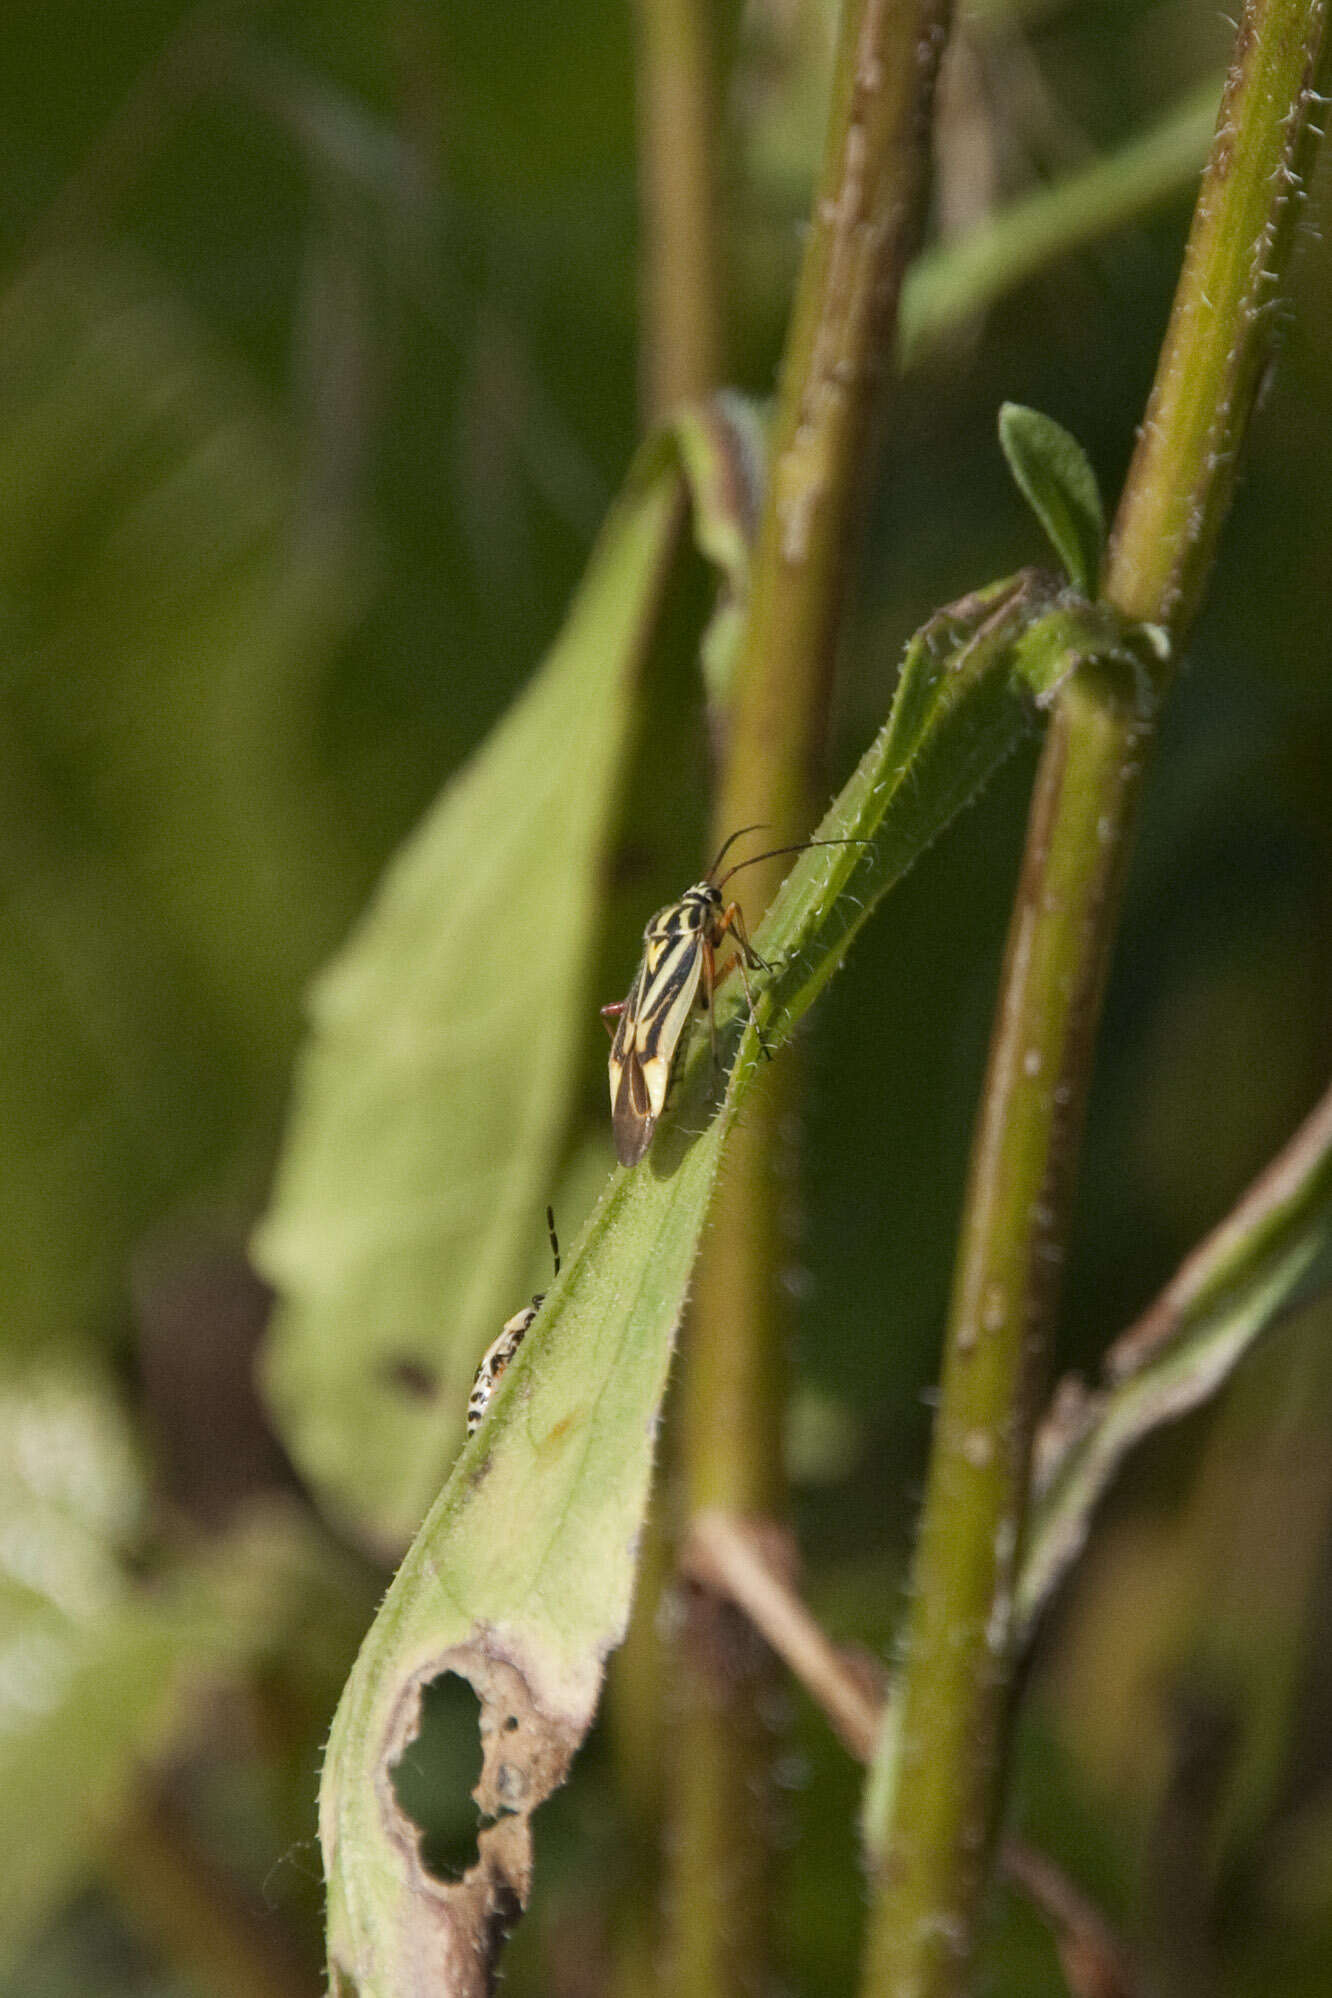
438	1085
164	842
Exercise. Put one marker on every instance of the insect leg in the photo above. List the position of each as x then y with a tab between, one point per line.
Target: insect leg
708	982
746	960
613	1012
733	920
749	1000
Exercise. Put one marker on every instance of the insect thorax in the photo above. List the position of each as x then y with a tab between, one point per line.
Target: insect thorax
694	913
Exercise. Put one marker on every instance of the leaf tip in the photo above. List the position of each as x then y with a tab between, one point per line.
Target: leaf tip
1055	477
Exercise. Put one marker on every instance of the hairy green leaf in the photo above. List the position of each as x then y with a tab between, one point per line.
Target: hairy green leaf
433	1097
1059	485
521	1577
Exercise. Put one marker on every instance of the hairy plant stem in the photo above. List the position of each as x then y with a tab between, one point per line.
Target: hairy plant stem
867	222
944	1775
959	1645
868	217
745	1560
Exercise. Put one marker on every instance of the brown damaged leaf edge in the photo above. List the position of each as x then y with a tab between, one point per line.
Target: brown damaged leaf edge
457	1928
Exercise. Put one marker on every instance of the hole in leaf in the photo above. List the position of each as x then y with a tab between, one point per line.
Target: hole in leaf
434	1779
413	1378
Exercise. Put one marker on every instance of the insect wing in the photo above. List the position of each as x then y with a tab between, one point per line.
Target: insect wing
668	987
650	1027
631	1117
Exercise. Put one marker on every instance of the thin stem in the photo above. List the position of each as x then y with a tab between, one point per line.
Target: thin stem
678	102
959	1643
954	282
943	1804
1294	1180
743	1560
747	1561
867	222
682	46
730	1451
1090	1955
1266	1258
1218	345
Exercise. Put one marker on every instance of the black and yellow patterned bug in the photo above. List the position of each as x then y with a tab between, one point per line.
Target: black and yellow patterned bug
501	1350
678	967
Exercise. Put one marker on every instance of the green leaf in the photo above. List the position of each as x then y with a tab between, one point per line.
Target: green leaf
1271	1255
86	1670
433	1097
99	1674
1057	482
521	1577
168	871
100	1702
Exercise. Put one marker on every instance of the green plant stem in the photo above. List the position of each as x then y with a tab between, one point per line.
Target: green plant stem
944	1777
1269	1257
682	55
679	123
867	222
730	1443
743	1563
1219	342
954	1713
953	282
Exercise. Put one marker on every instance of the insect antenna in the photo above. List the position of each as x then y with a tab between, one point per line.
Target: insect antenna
554	1238
773	851
727	844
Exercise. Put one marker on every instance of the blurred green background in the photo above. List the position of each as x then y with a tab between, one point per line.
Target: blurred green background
319	363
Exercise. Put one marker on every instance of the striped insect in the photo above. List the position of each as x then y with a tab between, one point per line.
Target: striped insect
678	968
501	1350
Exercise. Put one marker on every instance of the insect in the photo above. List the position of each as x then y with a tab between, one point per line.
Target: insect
678	966
501	1350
